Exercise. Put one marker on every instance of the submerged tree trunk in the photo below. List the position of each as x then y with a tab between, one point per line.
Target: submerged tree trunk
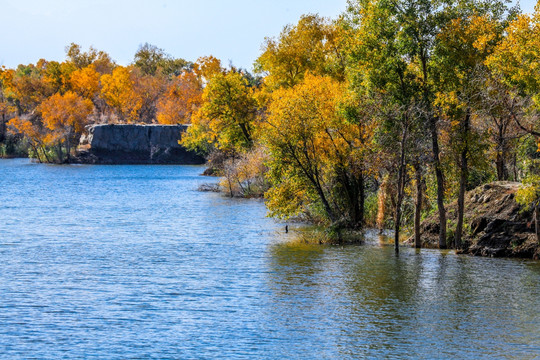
400	190
357	200
353	187
440	182
418	205
464	172
381	204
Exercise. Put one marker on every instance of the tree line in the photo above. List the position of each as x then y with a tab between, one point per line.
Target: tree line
375	118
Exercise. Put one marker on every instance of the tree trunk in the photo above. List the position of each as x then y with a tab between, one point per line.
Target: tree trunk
68	149
514	167
362	199
400	189
397	226
36	151
440	182
246	133
418	205
381	204
536	221
355	198
59	154
3	128
464	172
44	151
326	204
500	162
351	188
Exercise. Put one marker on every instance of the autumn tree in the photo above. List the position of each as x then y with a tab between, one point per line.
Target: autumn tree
227	116
85	82
206	67
148	89
32	129
80	59
405	32
57	75
182	98
151	60
26	87
65	116
131	94
517	60
117	90
462	47
244	175
4	105
383	73
311	45
296	136
497	108
317	140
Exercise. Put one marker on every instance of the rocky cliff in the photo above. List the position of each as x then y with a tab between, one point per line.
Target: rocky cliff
495	224
136	144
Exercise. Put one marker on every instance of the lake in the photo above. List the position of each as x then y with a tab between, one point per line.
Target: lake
132	262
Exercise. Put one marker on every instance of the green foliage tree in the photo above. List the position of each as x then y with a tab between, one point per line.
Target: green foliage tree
516	59
151	60
227	117
462	48
312	45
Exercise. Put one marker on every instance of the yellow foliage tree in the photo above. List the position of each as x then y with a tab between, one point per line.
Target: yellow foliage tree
226	119
131	94
311	45
206	67
118	92
517	56
85	82
317	153
517	60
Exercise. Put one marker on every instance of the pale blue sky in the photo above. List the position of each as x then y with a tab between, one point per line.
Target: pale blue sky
230	30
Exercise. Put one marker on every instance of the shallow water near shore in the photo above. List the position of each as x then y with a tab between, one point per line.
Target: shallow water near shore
122	262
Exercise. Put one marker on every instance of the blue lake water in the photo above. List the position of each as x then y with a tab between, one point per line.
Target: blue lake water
131	262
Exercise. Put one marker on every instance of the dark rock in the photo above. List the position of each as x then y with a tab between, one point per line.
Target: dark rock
495	225
209	187
137	144
85	157
211	171
478	225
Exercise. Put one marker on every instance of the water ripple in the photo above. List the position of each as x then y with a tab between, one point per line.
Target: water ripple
129	262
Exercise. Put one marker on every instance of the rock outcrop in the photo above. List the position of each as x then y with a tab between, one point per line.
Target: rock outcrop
136	144
495	224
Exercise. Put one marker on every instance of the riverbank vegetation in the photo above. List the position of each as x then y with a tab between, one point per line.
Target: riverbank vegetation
380	117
